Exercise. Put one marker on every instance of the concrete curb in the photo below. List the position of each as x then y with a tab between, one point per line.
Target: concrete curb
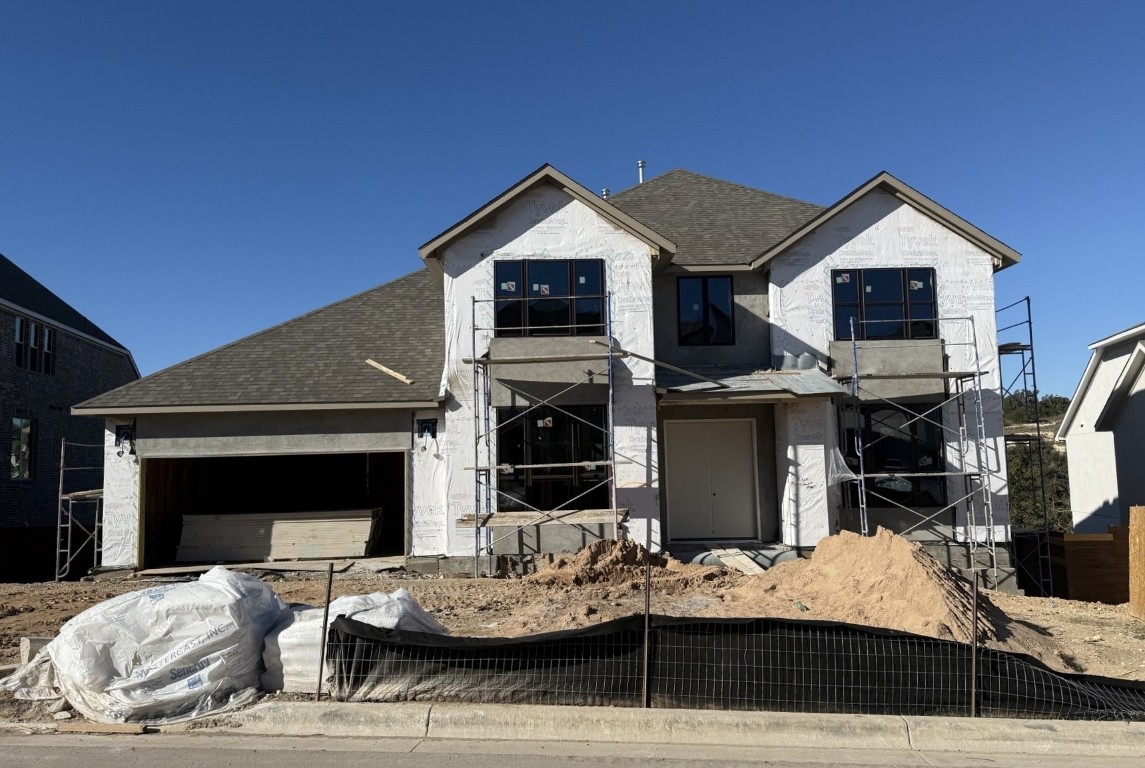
691	727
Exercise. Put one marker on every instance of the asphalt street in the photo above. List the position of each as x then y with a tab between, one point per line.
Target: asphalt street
222	749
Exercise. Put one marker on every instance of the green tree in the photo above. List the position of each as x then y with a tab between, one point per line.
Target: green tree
1026	510
1025	494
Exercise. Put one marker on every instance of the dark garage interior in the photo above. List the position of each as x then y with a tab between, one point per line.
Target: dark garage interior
287	484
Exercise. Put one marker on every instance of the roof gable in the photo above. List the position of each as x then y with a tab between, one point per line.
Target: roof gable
1098	351
1003	254
713	221
1124	387
316	360
22	292
431	251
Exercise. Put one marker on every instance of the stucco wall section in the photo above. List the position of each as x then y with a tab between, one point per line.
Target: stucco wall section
752	336
273	433
120	504
544	223
879	230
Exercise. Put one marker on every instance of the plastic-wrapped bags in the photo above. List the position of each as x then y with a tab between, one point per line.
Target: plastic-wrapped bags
161	654
292	649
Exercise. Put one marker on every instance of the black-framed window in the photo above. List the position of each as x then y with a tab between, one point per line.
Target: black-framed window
549	297
23	456
705	310
906	439
550	435
885	303
35	346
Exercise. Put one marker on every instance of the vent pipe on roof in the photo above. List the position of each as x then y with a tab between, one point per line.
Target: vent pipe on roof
639	171
604	193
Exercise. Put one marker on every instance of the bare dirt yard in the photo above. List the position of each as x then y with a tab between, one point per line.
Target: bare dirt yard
882	581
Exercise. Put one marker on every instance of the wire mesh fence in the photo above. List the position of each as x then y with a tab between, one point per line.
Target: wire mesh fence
744	664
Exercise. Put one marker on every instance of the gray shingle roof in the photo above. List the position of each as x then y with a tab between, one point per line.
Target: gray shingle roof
19	288
318	358
713	221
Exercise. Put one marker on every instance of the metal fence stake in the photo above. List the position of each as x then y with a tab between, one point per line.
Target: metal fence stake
974	652
325	618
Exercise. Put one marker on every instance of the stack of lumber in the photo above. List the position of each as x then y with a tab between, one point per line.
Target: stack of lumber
274	536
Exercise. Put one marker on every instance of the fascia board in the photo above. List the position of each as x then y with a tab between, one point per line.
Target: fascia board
1078	395
1004	253
250	408
63	327
662	245
1120	336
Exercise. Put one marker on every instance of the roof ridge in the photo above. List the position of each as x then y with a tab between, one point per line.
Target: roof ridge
721	181
275	327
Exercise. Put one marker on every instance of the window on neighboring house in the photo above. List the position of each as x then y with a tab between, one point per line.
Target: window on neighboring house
907	439
557	297
704	310
23	449
550	435
884	303
35	346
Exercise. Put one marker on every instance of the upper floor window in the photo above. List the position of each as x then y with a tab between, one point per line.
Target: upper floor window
35	346
884	303
23	449
550	297
704	310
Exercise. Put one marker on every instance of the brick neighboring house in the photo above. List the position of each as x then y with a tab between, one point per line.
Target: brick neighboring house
669	361
51	358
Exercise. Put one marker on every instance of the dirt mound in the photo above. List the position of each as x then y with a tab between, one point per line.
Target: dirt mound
883	580
607	560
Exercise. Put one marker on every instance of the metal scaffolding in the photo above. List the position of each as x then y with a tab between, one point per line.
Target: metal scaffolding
486	468
79	513
1025	380
964	456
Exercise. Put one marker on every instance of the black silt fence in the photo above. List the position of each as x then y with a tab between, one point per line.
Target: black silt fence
748	664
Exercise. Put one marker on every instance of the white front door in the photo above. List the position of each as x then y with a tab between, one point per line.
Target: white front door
711	479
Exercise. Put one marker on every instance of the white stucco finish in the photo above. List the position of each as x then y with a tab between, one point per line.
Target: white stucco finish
120	504
543	223
1106	473
879	230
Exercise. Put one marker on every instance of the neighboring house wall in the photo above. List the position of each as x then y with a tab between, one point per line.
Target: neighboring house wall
1105	466
879	230
543	223
752	335
82	368
1129	436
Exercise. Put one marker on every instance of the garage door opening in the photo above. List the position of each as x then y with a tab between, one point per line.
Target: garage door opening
251	508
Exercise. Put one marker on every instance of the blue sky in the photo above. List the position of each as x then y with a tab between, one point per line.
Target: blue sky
186	173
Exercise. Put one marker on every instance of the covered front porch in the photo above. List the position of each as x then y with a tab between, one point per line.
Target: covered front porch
730	477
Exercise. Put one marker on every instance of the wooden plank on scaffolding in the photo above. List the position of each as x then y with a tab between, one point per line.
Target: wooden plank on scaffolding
735	558
569	516
1137	561
274	536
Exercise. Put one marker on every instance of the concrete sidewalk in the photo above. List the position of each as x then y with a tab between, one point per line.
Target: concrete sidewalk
686	727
